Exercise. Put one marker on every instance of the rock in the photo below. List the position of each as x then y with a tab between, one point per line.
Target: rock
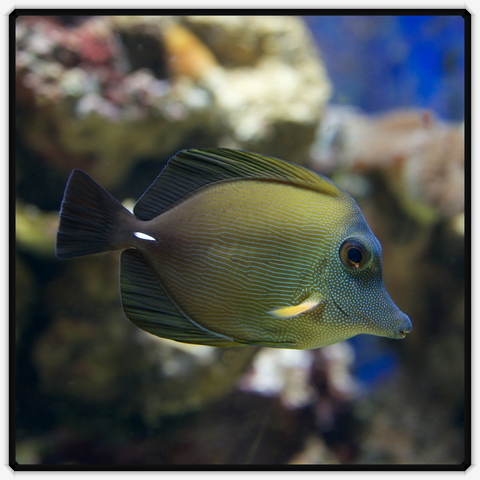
421	157
106	93
273	89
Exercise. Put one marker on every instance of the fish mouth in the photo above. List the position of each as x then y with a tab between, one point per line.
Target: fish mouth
399	332
404	328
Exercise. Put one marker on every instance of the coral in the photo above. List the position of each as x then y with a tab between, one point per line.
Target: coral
273	89
420	156
434	173
108	92
240	41
88	94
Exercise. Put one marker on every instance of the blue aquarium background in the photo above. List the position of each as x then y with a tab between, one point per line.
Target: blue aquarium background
412	60
377	103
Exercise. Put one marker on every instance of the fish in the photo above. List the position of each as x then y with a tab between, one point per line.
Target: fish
229	248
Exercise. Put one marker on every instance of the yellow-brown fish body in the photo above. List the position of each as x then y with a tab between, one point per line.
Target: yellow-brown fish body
236	248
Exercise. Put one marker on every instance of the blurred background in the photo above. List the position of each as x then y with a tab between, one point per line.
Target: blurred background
374	102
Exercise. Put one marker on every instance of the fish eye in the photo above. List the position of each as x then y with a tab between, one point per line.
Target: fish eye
353	254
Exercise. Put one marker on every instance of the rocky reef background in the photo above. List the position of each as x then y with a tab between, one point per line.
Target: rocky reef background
118	96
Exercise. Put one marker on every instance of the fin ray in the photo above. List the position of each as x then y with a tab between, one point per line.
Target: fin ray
147	305
88	217
190	170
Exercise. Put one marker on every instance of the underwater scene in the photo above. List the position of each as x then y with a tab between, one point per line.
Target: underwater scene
290	290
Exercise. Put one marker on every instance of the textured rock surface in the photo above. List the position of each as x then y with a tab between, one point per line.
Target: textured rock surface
422	157
273	89
108	92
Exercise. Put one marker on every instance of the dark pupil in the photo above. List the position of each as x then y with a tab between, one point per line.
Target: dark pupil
354	255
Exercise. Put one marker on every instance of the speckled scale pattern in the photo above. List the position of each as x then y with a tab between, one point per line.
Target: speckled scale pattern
236	250
234	247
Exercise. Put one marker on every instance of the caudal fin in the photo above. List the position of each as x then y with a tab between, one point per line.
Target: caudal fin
89	218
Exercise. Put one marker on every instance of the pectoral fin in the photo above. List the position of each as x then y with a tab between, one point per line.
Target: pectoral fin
293	311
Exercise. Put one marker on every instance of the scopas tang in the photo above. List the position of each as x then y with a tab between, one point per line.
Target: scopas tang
230	248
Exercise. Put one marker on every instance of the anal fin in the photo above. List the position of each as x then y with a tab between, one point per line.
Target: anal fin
147	305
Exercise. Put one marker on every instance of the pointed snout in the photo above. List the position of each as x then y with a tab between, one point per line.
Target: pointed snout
403	327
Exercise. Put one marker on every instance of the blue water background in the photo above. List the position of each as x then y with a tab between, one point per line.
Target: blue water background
383	62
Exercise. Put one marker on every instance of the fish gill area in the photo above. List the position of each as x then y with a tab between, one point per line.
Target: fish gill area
117	97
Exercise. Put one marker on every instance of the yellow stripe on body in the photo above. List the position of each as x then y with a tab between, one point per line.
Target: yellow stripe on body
294	311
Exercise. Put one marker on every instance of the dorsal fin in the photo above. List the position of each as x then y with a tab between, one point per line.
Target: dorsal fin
190	170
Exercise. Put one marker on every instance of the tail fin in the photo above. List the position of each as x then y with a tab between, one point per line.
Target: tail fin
89	218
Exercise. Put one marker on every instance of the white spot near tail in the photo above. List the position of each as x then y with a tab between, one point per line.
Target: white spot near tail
144	236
